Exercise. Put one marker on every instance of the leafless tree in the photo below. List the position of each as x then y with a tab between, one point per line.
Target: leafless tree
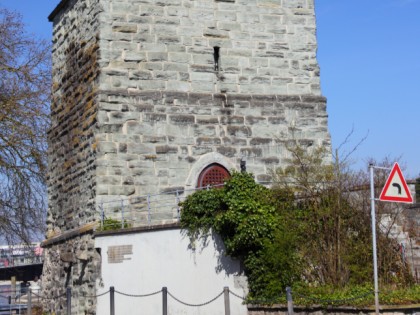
24	105
337	222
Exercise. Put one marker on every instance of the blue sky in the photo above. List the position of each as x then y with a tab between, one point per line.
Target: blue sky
369	54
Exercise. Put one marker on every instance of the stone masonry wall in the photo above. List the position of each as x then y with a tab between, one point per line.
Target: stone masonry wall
71	182
266	46
164	106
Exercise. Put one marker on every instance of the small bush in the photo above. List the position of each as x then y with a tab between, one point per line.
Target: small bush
112	224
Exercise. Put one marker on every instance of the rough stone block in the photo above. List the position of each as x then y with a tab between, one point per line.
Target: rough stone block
153	118
166	149
261	141
124	28
157	56
107	147
252	120
227	151
206	131
251	152
200	76
150	10
182	119
122	190
109	180
139	148
200	150
179	57
176	85
232	120
238	131
205	120
206	141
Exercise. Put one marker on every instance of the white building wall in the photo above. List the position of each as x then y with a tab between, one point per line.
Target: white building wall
165	258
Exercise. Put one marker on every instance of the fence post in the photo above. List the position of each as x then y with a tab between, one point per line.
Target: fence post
112	301
149	215
13	286
177	205
289	300
165	301
102	215
68	296
122	213
29	312
227	301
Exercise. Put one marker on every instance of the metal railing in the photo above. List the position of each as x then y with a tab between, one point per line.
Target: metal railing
20	301
144	210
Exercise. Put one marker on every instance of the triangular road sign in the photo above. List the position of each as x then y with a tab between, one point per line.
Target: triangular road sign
396	189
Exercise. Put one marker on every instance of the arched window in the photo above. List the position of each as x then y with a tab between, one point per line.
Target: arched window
214	174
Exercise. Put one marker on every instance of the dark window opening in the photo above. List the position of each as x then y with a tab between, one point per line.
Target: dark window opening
216	55
213	175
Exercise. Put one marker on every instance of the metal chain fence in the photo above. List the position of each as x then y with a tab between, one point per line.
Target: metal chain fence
18	302
29	302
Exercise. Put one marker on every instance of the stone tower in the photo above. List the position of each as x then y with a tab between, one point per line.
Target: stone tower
148	94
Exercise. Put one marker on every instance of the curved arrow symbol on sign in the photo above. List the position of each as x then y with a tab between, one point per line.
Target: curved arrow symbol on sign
398	186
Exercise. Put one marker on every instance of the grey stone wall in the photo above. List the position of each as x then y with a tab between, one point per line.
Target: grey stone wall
151	141
266	46
140	106
164	106
71	182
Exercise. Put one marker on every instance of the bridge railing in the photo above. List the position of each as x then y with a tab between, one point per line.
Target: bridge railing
20	255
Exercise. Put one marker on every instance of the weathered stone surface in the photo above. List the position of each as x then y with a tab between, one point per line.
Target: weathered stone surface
208	141
182	119
239	131
261	141
165	149
271	160
227	151
252	152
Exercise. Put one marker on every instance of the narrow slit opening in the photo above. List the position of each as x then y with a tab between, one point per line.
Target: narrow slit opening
216	55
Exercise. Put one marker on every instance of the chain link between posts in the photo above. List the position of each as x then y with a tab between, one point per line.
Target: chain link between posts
238	296
96	296
196	305
138	295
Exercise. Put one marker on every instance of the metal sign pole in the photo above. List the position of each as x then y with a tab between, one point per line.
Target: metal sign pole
375	259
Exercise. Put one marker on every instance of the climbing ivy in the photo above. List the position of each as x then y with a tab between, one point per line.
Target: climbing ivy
244	214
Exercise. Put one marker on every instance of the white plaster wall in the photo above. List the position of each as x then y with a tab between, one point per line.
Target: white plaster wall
164	258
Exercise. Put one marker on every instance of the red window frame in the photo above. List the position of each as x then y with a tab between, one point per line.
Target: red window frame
212	175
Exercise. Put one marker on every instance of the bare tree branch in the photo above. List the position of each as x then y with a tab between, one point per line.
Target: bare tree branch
24	119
